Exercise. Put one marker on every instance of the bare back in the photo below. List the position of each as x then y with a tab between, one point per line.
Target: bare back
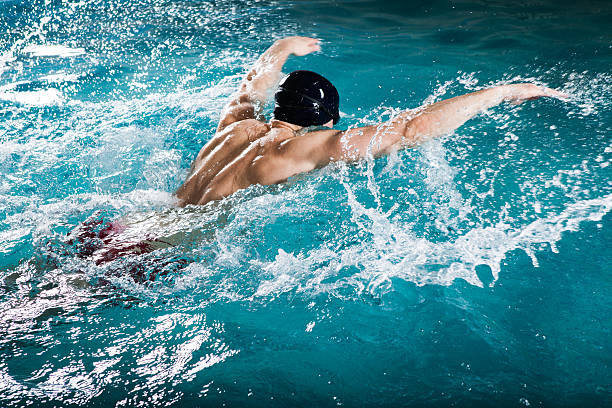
245	153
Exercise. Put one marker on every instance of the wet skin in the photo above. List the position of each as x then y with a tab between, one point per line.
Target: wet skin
247	151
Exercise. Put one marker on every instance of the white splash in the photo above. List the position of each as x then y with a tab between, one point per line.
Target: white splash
398	253
60	77
43	97
53	50
8	58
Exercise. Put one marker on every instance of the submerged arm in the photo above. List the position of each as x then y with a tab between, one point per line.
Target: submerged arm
255	88
435	120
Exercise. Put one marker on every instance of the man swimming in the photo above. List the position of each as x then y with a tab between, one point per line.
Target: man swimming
247	151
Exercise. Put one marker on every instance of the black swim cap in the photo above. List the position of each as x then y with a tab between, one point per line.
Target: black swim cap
305	98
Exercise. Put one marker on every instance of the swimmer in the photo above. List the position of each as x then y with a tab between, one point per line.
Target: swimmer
246	150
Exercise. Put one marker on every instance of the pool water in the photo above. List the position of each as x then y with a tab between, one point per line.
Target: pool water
472	271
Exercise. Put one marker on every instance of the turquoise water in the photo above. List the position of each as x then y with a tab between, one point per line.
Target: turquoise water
472	271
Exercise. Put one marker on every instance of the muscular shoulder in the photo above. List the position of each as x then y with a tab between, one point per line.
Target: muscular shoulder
311	145
250	129
246	126
324	133
241	132
274	163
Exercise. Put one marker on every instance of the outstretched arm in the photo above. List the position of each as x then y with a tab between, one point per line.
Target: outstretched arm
409	129
302	154
255	87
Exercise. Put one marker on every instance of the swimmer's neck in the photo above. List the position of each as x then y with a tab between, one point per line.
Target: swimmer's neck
289	129
279	124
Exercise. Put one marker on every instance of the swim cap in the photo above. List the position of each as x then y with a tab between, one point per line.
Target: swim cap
305	98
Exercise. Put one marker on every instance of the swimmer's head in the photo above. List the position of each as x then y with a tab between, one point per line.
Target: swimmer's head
305	98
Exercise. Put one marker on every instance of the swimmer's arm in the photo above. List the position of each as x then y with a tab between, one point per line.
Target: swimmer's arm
256	86
408	129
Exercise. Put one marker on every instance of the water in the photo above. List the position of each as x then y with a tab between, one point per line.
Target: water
472	271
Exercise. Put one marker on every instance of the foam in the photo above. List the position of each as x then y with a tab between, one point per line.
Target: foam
53	50
43	97
60	77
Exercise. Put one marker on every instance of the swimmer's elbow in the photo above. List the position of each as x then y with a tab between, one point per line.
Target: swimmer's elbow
415	130
401	132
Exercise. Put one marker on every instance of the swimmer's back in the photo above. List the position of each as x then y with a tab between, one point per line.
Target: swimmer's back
224	152
251	152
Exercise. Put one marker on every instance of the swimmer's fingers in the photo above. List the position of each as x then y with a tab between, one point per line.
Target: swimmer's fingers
553	93
536	92
301	46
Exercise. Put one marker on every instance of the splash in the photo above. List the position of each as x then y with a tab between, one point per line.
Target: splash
52	50
394	252
43	97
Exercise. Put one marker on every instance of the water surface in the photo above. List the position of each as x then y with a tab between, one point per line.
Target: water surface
471	271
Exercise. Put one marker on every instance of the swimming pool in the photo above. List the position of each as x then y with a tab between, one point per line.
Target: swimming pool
472	271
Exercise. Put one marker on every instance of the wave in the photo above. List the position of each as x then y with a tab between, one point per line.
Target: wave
395	252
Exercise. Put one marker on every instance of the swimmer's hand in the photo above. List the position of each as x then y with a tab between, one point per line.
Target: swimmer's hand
300	46
519	93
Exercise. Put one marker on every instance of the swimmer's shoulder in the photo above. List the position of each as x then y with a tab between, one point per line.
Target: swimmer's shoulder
323	133
251	128
321	136
318	141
